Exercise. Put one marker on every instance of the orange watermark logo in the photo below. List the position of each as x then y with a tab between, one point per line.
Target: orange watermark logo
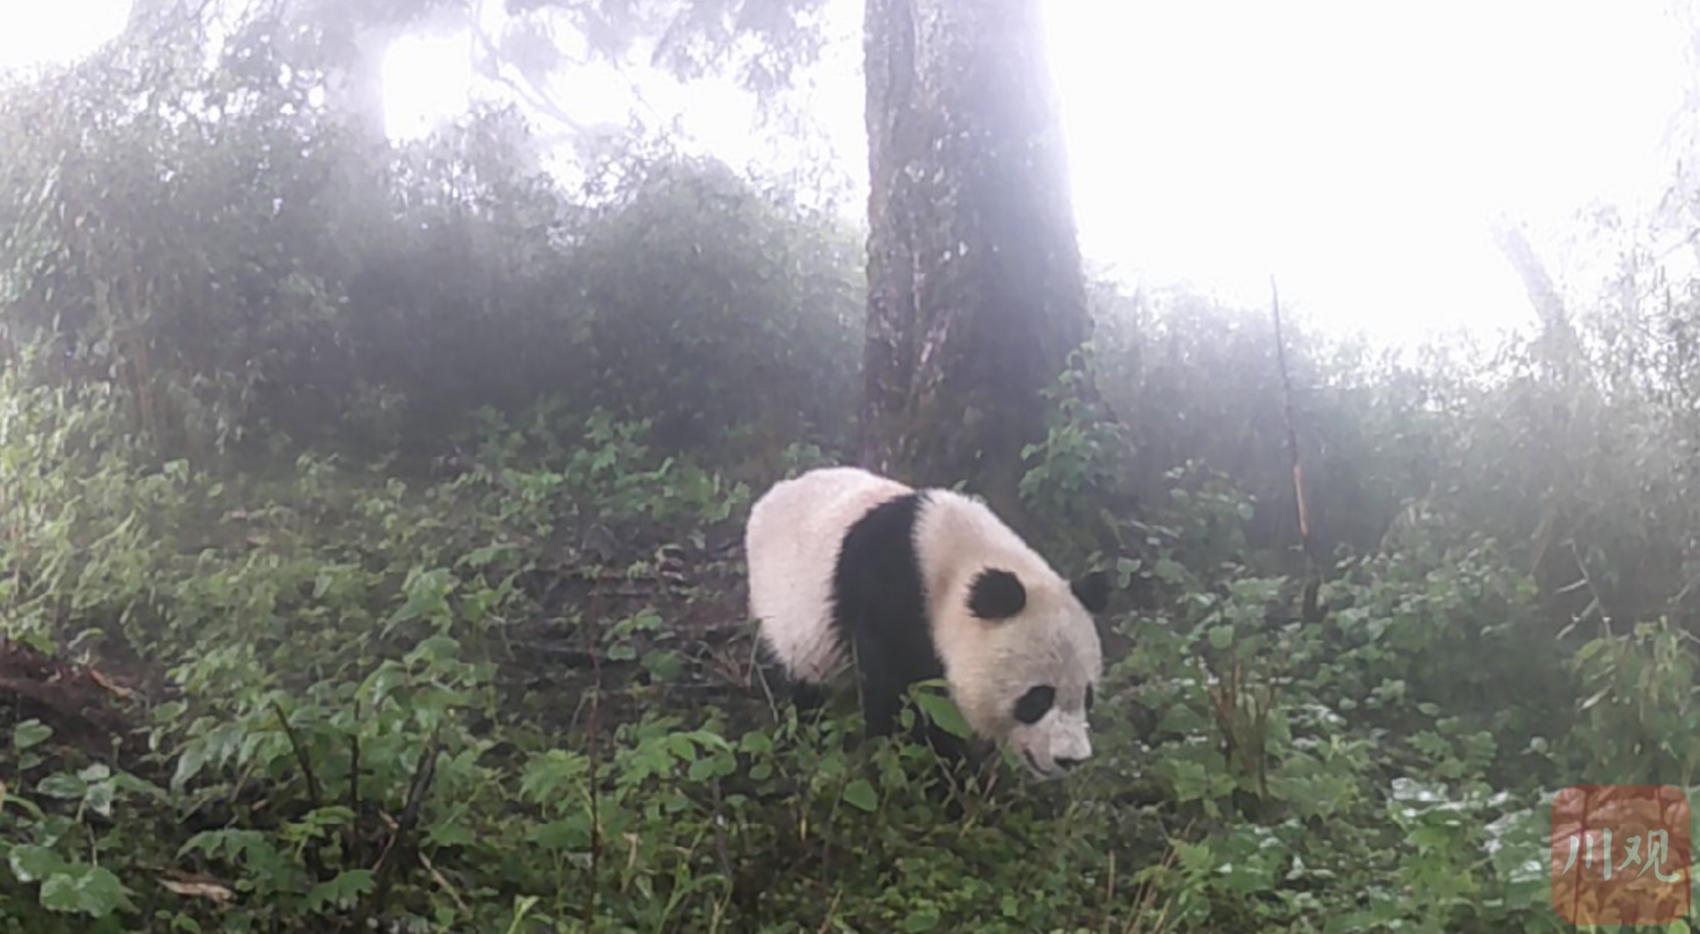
1620	854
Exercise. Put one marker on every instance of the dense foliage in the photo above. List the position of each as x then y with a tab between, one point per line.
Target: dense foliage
368	529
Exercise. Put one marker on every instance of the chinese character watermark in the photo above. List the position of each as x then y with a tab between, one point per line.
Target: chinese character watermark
1621	854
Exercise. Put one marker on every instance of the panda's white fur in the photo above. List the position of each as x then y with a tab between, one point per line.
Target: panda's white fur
925	583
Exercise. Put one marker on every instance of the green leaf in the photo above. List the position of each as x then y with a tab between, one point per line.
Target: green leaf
30	733
701	770
830	766
60	785
447	834
943	712
88	890
664	664
924	920
1170	571
190	764
32	863
100	796
860	793
341	891
756	741
485	556
571	833
552	775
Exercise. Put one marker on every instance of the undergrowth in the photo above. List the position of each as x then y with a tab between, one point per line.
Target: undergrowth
515	692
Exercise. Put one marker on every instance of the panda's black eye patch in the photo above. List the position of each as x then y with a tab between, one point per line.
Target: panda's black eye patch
1035	704
996	594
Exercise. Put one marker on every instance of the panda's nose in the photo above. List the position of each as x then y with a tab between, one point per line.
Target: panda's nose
1068	762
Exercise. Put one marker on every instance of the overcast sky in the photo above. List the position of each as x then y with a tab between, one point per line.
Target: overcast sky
1356	151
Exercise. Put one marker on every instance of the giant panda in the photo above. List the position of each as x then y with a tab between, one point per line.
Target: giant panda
925	584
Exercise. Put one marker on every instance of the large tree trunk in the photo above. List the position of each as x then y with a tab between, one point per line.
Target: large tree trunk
975	289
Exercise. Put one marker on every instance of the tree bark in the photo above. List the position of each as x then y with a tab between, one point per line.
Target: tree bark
976	296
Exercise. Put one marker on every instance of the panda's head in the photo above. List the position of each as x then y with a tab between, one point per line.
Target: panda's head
1023	659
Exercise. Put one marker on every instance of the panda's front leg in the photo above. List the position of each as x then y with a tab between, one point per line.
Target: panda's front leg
882	691
807	697
886	680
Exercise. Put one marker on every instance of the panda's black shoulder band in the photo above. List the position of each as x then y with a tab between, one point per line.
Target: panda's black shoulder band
996	594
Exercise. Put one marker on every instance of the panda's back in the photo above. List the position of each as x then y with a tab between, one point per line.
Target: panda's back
811	542
839	555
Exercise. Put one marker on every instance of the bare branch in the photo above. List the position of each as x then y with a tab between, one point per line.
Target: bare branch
530	91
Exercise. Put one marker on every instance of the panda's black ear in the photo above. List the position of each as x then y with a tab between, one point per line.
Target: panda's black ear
1093	591
996	594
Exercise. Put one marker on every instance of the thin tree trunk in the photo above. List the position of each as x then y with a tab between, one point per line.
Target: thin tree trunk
975	290
1558	343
